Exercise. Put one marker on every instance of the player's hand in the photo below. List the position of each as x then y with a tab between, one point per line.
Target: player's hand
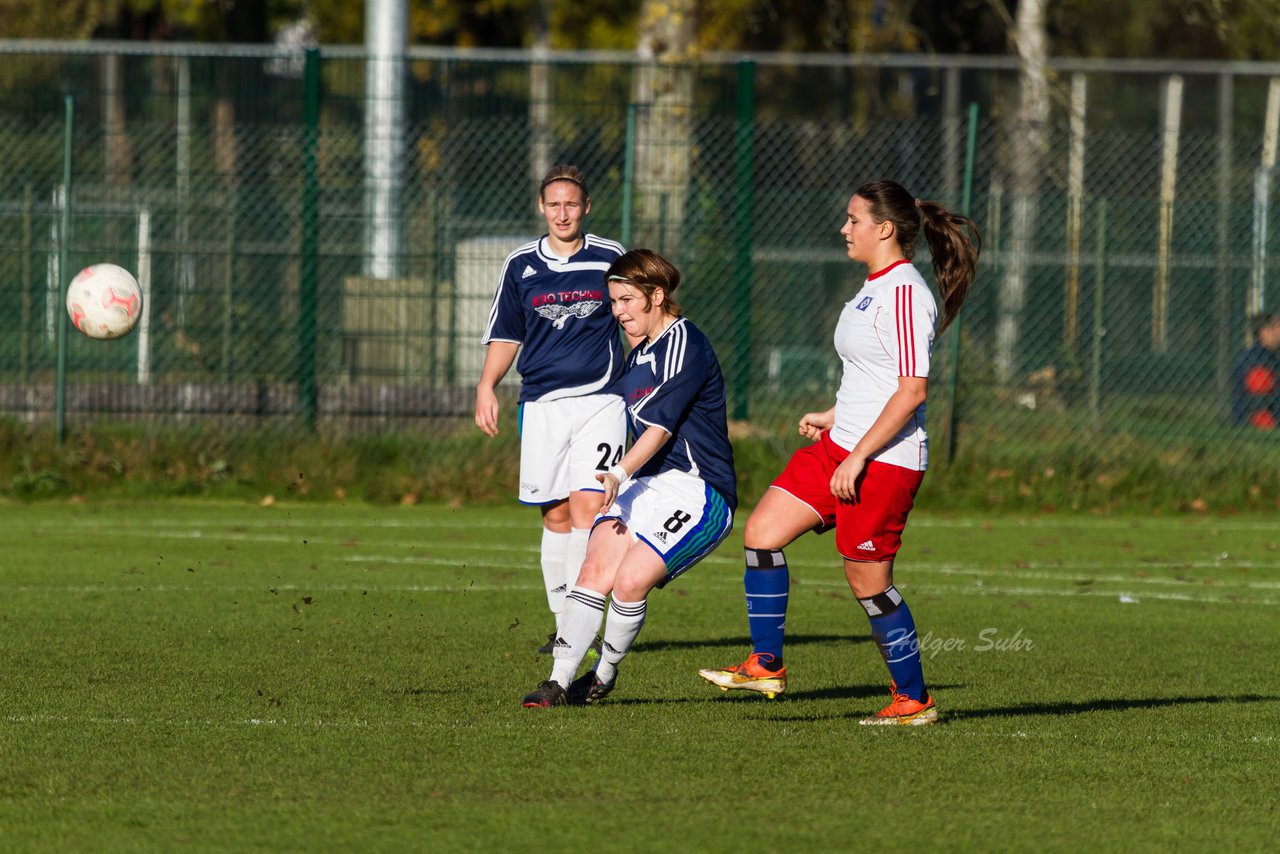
612	481
487	411
813	423
844	481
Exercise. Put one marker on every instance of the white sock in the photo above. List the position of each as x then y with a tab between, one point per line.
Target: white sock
575	554
554	546
579	625
625	621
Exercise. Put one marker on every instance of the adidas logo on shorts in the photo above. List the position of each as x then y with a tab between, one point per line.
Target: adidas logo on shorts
868	546
660	535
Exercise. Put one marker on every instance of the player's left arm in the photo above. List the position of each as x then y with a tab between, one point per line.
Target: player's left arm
641	451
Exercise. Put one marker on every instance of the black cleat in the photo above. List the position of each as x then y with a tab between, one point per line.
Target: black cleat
587	689
546	694
548	647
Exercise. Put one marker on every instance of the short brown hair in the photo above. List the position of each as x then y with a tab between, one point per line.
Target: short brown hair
647	271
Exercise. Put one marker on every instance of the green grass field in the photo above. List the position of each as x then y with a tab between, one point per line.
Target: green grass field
199	676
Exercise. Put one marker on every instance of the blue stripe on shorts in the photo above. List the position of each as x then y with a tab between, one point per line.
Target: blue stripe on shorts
716	522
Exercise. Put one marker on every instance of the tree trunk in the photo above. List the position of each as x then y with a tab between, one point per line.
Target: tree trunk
663	92
541	138
1026	149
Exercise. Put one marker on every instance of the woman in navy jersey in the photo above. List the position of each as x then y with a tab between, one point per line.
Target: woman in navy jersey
552	307
669	501
871	449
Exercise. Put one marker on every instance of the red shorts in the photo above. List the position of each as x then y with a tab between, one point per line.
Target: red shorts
867	529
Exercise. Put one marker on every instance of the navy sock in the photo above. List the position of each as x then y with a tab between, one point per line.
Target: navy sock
767	585
894	632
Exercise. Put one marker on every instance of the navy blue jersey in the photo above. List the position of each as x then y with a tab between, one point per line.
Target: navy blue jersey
558	311
675	383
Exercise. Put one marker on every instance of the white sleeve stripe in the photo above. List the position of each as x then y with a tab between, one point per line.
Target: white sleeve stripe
497	292
648	423
597	240
677	341
497	295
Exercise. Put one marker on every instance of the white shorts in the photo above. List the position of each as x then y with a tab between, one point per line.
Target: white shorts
679	516
564	443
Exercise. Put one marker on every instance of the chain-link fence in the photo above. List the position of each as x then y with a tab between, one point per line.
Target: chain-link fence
316	259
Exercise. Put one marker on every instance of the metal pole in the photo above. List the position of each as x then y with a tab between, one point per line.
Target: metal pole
970	152
1099	281
1222	271
629	175
64	238
309	261
744	174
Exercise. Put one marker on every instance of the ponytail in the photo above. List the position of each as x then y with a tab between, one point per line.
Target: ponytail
955	243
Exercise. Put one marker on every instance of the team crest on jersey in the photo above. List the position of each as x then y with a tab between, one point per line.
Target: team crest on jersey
862	306
559	314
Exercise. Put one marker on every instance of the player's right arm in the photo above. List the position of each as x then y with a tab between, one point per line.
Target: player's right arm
641	451
813	423
497	361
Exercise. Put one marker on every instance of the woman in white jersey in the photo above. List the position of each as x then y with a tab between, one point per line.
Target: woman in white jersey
871	450
552	307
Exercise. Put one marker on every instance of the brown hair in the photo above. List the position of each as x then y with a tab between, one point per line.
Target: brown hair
647	271
564	172
953	238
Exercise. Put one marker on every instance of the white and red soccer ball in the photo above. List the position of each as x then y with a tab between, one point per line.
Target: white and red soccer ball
104	301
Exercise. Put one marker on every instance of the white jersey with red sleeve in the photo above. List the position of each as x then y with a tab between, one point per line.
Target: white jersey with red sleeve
885	332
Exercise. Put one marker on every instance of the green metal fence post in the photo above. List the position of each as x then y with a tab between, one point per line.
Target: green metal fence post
629	175
309	261
1099	280
743	223
970	151
64	238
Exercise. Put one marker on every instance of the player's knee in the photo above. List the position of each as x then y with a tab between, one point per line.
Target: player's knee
760	533
629	590
555	517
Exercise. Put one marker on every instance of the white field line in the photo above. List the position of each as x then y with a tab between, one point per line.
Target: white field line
426	546
1081	579
1224	597
530	524
364	723
263	588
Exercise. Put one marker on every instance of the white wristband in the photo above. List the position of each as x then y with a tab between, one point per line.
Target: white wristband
619	474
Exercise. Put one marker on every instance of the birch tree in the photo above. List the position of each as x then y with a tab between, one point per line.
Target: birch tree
1025	161
663	93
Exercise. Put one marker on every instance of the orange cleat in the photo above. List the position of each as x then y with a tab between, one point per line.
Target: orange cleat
750	675
904	711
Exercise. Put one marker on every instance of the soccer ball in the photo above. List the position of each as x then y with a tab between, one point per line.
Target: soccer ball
104	301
